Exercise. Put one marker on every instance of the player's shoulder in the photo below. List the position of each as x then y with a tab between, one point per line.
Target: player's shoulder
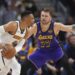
33	28
57	23
34	25
10	24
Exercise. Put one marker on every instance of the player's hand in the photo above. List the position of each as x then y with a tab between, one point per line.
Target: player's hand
71	61
15	43
8	51
6	47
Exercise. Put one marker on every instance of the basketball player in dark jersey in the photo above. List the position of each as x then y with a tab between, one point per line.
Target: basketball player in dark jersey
48	49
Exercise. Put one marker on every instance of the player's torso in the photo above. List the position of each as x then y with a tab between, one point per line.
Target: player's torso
46	39
19	31
5	37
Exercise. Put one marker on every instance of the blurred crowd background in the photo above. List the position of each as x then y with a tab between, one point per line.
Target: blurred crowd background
62	11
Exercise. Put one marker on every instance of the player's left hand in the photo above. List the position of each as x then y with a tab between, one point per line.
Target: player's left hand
8	51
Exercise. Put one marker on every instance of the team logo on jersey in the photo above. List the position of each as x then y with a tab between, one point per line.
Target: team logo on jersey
41	37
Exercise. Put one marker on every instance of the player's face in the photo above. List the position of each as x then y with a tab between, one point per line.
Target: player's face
45	17
29	20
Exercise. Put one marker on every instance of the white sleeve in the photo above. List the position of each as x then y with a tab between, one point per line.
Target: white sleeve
20	45
2	29
16	67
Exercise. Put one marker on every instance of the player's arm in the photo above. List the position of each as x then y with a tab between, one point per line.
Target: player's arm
10	27
31	31
51	67
7	27
66	28
1	45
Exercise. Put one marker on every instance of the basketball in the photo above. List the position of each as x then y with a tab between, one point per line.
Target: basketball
8	51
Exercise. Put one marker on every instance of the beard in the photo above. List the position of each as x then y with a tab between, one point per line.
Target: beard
44	22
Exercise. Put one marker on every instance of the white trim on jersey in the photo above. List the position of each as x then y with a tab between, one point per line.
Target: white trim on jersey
2	29
5	37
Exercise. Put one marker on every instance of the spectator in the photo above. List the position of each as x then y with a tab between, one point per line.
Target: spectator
70	48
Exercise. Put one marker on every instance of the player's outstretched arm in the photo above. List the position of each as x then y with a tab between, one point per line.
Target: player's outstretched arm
66	28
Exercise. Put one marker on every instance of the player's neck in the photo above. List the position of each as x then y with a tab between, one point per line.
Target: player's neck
48	24
22	25
44	28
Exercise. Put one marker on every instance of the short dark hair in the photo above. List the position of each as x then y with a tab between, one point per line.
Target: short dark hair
25	13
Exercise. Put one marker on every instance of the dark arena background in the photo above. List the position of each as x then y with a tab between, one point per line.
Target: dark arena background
62	11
